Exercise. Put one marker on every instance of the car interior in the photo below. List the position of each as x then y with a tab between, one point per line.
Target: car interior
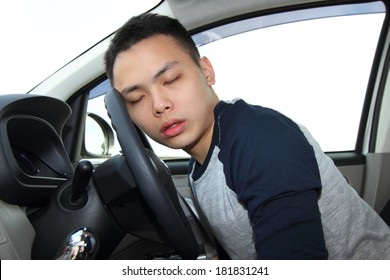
80	181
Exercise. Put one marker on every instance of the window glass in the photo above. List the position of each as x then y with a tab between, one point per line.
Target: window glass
314	71
311	65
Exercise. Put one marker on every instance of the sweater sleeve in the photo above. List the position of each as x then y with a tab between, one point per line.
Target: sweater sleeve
274	172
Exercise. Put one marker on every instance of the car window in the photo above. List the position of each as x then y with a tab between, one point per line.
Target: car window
313	66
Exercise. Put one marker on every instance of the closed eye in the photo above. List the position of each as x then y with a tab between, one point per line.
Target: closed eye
172	81
134	101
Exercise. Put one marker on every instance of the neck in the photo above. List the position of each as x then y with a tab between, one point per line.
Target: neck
200	150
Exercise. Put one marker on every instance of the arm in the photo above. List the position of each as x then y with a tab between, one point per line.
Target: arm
289	227
276	177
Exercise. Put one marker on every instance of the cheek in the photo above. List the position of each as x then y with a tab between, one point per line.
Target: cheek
144	122
137	118
200	96
195	92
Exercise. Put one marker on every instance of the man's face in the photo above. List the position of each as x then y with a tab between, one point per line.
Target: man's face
166	93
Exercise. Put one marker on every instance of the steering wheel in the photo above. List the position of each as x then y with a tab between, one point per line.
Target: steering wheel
153	180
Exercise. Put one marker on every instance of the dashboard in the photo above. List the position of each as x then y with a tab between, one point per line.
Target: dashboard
33	160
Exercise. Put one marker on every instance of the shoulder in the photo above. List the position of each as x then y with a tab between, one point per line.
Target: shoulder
244	125
258	143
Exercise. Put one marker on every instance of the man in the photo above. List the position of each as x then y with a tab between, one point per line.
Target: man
263	183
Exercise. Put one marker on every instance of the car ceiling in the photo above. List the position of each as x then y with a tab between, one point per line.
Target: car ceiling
195	13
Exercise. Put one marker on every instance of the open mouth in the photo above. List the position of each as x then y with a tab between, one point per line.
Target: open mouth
172	128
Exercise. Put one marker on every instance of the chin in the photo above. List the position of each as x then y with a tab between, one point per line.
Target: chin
175	145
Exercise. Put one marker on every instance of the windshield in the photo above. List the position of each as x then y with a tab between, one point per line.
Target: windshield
40	36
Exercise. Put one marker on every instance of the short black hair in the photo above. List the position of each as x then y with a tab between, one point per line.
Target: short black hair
143	27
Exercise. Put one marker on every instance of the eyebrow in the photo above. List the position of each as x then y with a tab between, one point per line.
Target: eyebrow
167	66
164	69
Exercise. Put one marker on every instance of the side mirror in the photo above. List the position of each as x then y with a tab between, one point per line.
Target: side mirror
99	137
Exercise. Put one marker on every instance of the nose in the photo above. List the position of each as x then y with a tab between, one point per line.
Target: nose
161	104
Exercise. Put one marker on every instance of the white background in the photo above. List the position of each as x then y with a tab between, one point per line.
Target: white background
40	36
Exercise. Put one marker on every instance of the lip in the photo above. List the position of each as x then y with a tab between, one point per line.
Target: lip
172	128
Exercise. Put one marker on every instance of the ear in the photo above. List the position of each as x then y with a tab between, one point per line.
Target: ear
208	70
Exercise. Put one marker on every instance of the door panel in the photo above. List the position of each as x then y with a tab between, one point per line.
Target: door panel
377	190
